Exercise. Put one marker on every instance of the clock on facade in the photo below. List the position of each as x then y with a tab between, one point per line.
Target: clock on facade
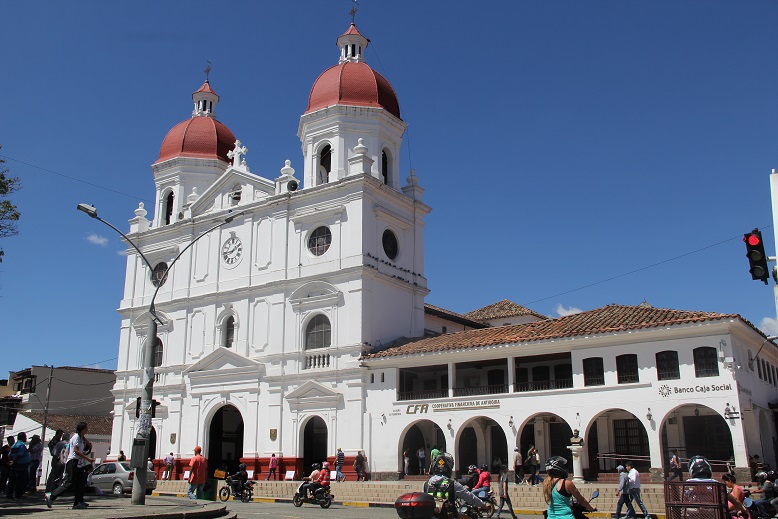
232	250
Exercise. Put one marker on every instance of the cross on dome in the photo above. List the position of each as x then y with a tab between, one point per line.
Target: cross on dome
236	153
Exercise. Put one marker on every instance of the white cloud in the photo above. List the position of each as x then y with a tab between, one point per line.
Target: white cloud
97	239
561	311
769	326
122	252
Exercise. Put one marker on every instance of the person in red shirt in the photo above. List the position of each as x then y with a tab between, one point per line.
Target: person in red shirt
323	480
197	470
484	483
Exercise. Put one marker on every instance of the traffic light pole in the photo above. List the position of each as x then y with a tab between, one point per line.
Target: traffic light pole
774	200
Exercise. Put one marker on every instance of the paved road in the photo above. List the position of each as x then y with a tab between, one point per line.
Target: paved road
288	511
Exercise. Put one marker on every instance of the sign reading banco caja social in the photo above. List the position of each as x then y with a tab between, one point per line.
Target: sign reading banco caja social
666	390
441	407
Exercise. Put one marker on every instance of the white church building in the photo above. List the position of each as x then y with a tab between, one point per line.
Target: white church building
300	326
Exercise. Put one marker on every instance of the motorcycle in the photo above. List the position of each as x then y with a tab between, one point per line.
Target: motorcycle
322	496
750	504
231	488
490	505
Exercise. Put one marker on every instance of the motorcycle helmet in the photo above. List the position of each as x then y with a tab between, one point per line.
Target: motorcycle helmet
556	466
485	468
443	464
699	467
771	475
472	468
326	465
242	466
316	466
760	476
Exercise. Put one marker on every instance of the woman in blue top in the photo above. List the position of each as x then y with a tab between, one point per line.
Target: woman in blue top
557	490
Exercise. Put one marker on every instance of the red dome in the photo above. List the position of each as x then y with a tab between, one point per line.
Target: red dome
199	137
353	84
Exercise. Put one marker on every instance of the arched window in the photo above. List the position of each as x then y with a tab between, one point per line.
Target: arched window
385	167
158	351
667	365
168	208
158	275
318	333
705	362
229	332
627	368
325	165
594	373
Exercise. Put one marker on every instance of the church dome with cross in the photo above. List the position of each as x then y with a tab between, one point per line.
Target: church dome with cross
352	82
202	136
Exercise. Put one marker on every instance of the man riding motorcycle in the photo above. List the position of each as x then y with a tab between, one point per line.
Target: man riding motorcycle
311	479
441	485
239	480
322	481
470	480
484	482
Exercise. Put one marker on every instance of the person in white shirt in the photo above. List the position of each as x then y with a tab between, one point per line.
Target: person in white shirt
634	487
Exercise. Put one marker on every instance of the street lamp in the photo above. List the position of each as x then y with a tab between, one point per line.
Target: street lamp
751	361
144	416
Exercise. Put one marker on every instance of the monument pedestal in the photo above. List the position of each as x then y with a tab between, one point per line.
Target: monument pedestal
577	468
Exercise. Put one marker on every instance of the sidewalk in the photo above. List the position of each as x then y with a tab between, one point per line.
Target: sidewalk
111	507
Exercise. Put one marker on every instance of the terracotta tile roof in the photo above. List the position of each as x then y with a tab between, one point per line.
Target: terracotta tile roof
100	425
608	319
500	309
452	316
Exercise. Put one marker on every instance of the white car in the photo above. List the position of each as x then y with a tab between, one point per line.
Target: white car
117	477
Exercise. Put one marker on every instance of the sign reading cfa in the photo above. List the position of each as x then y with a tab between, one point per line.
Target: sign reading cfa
438	407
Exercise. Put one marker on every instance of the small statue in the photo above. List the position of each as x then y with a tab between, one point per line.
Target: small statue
576	439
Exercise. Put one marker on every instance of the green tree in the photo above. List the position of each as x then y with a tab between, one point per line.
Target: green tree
9	214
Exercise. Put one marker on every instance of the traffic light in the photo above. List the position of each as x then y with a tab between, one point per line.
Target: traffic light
757	258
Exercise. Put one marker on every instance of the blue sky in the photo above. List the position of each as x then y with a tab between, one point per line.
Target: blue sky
575	153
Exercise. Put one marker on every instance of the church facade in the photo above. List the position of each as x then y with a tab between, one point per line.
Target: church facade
297	324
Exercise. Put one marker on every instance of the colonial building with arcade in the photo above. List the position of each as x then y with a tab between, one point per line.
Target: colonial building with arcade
300	326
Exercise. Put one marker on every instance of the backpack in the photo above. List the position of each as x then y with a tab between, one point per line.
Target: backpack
441	488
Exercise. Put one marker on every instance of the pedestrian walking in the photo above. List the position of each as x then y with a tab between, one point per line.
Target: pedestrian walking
36	456
359	466
634	487
421	454
169	459
272	468
74	478
406	462
19	459
340	459
518	466
5	462
533	458
197	472
503	492
675	466
623	493
58	461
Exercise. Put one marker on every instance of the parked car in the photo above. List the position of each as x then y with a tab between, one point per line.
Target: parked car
117	477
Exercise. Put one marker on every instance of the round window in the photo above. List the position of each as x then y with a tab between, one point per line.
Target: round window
390	244
319	241
158	274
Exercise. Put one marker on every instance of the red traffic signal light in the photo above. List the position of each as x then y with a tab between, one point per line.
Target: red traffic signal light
755	253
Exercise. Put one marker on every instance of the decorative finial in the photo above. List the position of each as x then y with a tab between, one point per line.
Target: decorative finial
354	10
236	153
207	70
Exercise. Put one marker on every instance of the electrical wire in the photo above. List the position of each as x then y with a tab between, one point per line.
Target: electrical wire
134	197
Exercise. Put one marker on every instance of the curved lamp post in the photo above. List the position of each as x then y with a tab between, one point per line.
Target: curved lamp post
144	414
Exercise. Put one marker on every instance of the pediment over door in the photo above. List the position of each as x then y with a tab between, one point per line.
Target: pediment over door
224	366
312	396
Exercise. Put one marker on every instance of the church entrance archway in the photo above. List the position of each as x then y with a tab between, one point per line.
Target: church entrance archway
225	439
424	433
314	443
481	442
